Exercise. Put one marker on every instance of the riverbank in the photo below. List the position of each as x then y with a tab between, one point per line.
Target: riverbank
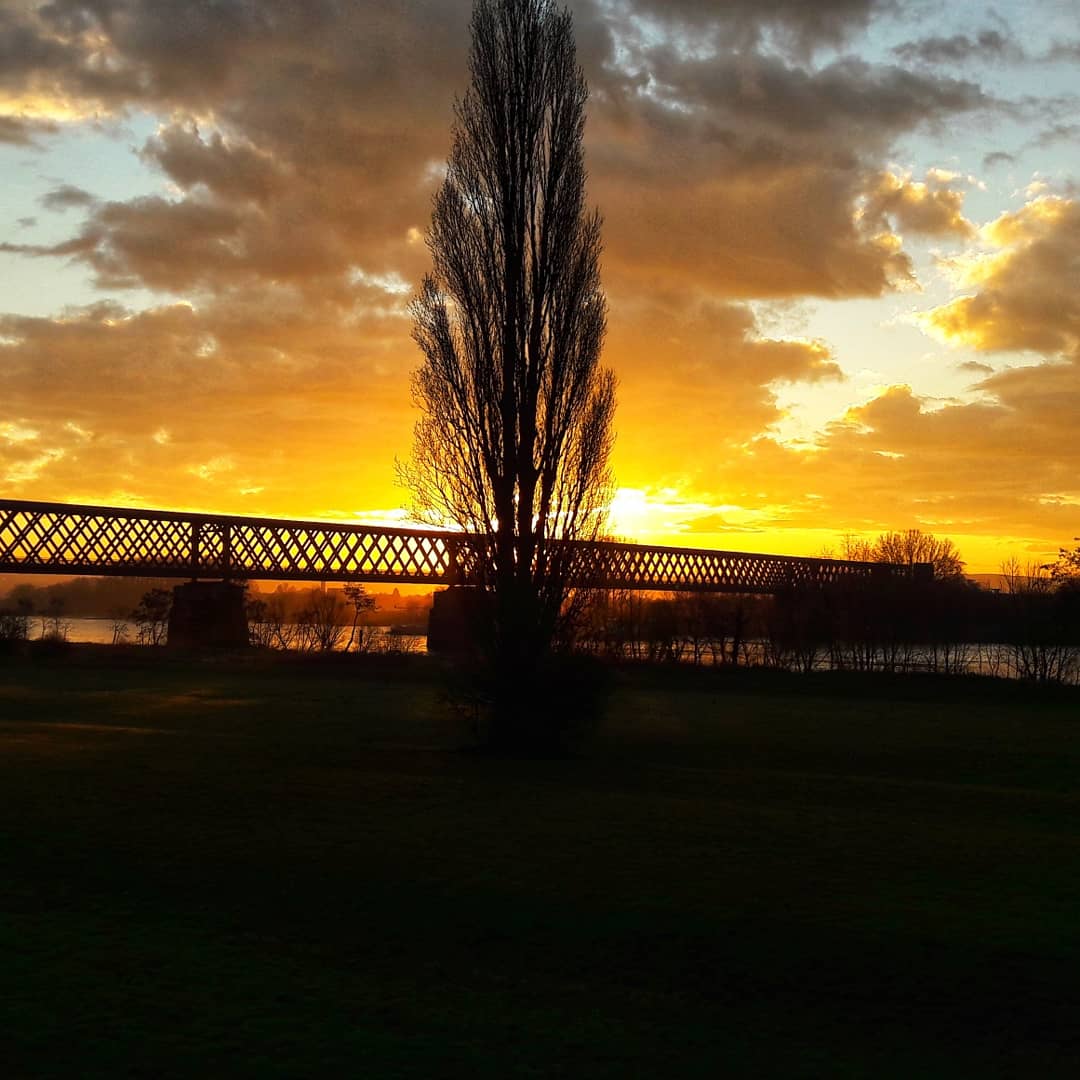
257	867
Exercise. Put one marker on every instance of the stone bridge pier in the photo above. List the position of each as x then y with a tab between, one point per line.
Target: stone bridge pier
208	615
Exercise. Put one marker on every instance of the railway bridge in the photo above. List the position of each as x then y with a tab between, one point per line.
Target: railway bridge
64	538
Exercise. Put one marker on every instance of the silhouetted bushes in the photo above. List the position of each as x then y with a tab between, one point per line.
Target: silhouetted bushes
1028	630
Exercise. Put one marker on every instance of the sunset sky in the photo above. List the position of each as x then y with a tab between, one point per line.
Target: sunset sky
842	255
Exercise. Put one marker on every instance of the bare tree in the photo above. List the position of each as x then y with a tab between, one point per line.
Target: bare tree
151	617
1066	571
361	635
321	624
854	548
904	548
516	411
1041	645
914	546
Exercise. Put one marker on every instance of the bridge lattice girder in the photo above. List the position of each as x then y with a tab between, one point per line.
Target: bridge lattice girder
60	538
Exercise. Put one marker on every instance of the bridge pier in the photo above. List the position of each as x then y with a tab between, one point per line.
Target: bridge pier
453	618
208	615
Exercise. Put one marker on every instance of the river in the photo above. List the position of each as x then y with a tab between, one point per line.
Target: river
111	632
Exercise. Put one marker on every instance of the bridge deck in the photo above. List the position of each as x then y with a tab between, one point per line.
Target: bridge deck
62	538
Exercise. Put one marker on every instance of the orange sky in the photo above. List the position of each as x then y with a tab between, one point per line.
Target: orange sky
842	254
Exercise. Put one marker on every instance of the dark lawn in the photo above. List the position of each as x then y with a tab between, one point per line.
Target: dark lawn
289	869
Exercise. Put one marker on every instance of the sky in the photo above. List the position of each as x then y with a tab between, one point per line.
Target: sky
841	253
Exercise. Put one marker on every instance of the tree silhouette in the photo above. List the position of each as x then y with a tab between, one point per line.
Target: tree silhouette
906	548
914	546
516	411
1066	571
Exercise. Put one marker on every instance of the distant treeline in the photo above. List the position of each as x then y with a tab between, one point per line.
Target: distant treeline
85	597
118	597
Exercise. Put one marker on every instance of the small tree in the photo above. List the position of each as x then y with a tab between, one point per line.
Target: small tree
54	627
361	602
321	624
120	627
151	617
1066	571
1038	634
15	622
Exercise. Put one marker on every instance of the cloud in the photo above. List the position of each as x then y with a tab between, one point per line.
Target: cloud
849	96
800	27
928	208
1064	50
65	197
745	174
961	48
695	364
1055	133
232	169
993	468
1026	285
301	138
295	400
24	131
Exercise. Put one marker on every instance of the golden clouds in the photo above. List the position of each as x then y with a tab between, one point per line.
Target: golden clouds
1027	284
698	382
930	207
294	414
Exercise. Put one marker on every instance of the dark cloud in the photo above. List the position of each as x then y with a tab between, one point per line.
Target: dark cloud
1055	133
849	96
26	222
801	27
230	169
1064	50
998	157
76	246
21	131
65	197
117	52
745	173
960	48
325	123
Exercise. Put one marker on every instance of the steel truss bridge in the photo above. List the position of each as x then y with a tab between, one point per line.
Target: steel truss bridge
60	538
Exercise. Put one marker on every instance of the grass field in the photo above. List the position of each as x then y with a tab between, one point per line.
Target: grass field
288	869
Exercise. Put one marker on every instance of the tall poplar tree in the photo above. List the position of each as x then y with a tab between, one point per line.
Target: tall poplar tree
516	412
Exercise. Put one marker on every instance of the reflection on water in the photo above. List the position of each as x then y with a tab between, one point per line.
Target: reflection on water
109	632
95	631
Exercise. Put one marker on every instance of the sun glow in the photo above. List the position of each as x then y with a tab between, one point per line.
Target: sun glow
628	514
